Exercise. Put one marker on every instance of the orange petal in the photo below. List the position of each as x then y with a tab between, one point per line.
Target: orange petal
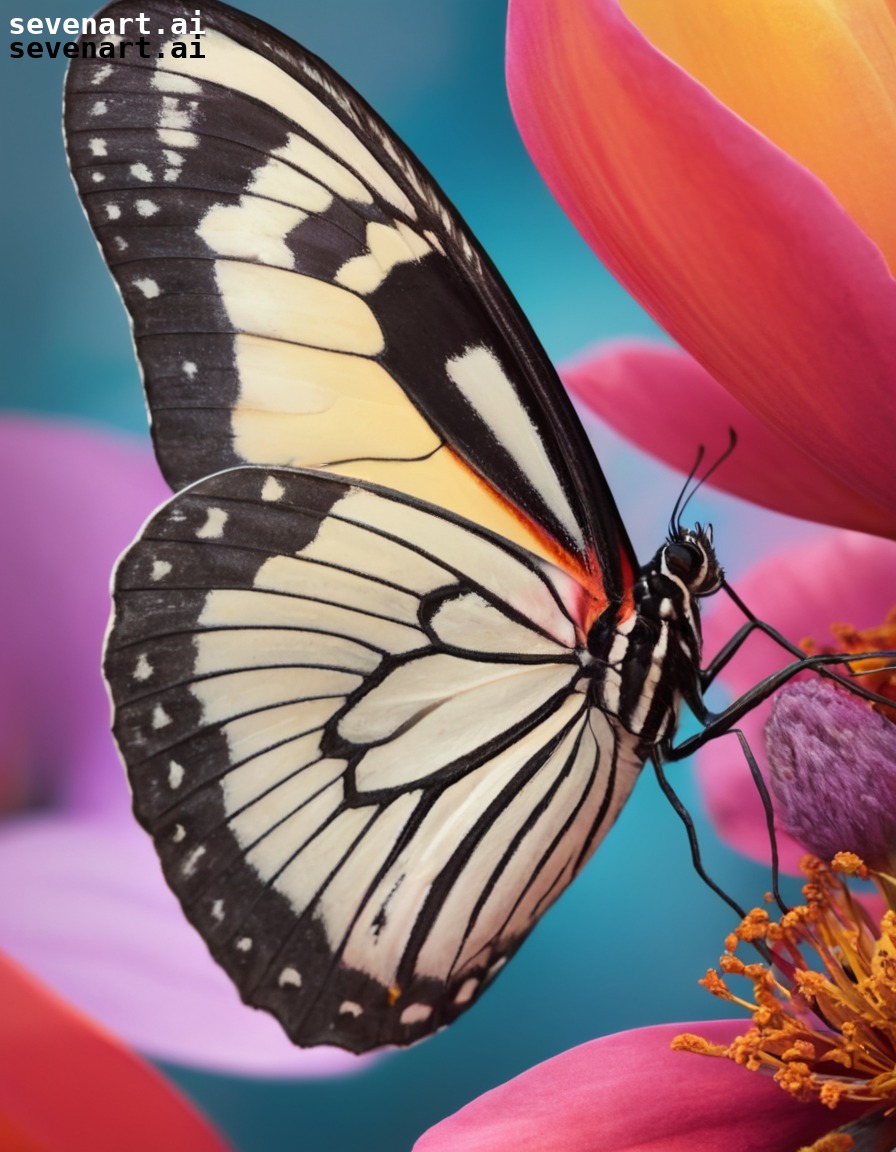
817	77
742	254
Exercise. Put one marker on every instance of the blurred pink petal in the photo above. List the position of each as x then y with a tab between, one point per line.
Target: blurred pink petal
838	577
741	253
74	500
91	915
68	1086
666	403
631	1092
84	905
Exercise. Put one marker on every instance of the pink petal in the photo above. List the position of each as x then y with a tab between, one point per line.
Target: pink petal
838	577
628	1092
86	907
90	914
74	499
68	1086
739	252
667	404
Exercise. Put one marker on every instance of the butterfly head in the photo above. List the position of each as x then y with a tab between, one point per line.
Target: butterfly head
689	556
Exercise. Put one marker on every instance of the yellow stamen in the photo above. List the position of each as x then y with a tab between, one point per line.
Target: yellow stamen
824	1016
877	675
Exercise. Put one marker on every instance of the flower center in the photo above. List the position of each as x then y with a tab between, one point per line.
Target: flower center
824	1012
878	674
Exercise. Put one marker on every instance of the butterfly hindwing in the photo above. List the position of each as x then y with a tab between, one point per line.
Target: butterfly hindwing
359	732
303	294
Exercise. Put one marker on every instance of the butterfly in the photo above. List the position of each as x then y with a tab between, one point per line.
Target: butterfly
385	668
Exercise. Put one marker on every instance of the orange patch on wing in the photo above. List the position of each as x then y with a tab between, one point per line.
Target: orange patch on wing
445	480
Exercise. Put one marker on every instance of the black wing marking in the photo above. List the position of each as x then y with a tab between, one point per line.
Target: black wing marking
358	730
302	292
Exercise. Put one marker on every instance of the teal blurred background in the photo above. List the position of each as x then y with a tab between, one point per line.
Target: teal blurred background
626	945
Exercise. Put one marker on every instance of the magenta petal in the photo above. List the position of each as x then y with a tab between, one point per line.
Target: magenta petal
89	913
74	498
631	1092
838	577
666	403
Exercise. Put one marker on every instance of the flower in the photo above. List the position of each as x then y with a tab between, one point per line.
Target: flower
799	591
824	1009
731	164
88	911
832	761
628	1092
67	1085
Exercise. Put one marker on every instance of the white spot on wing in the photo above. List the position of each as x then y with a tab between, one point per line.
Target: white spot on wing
416	1013
244	944
171	82
100	108
143	669
148	287
101	74
465	993
147	208
189	368
141	172
350	1008
98	147
189	865
179	833
160	718
113	211
174	117
213	528
97	177
218	910
175	774
160	568
272	489
177	138
290	977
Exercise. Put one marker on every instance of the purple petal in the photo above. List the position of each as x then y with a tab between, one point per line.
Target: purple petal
75	498
90	914
833	772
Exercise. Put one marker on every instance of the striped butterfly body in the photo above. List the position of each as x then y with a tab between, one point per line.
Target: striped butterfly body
385	668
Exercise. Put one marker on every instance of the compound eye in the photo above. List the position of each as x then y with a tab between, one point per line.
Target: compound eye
684	561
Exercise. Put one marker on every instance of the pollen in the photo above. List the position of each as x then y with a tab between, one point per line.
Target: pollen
824	1008
877	674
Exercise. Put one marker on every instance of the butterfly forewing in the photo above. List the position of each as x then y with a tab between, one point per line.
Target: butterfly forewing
302	293
359	732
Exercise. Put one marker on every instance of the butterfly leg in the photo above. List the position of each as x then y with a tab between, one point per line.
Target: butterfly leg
717	723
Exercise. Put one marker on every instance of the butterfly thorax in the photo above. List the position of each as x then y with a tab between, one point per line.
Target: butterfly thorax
653	655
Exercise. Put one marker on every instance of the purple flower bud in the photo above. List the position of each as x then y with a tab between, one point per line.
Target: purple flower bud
833	772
